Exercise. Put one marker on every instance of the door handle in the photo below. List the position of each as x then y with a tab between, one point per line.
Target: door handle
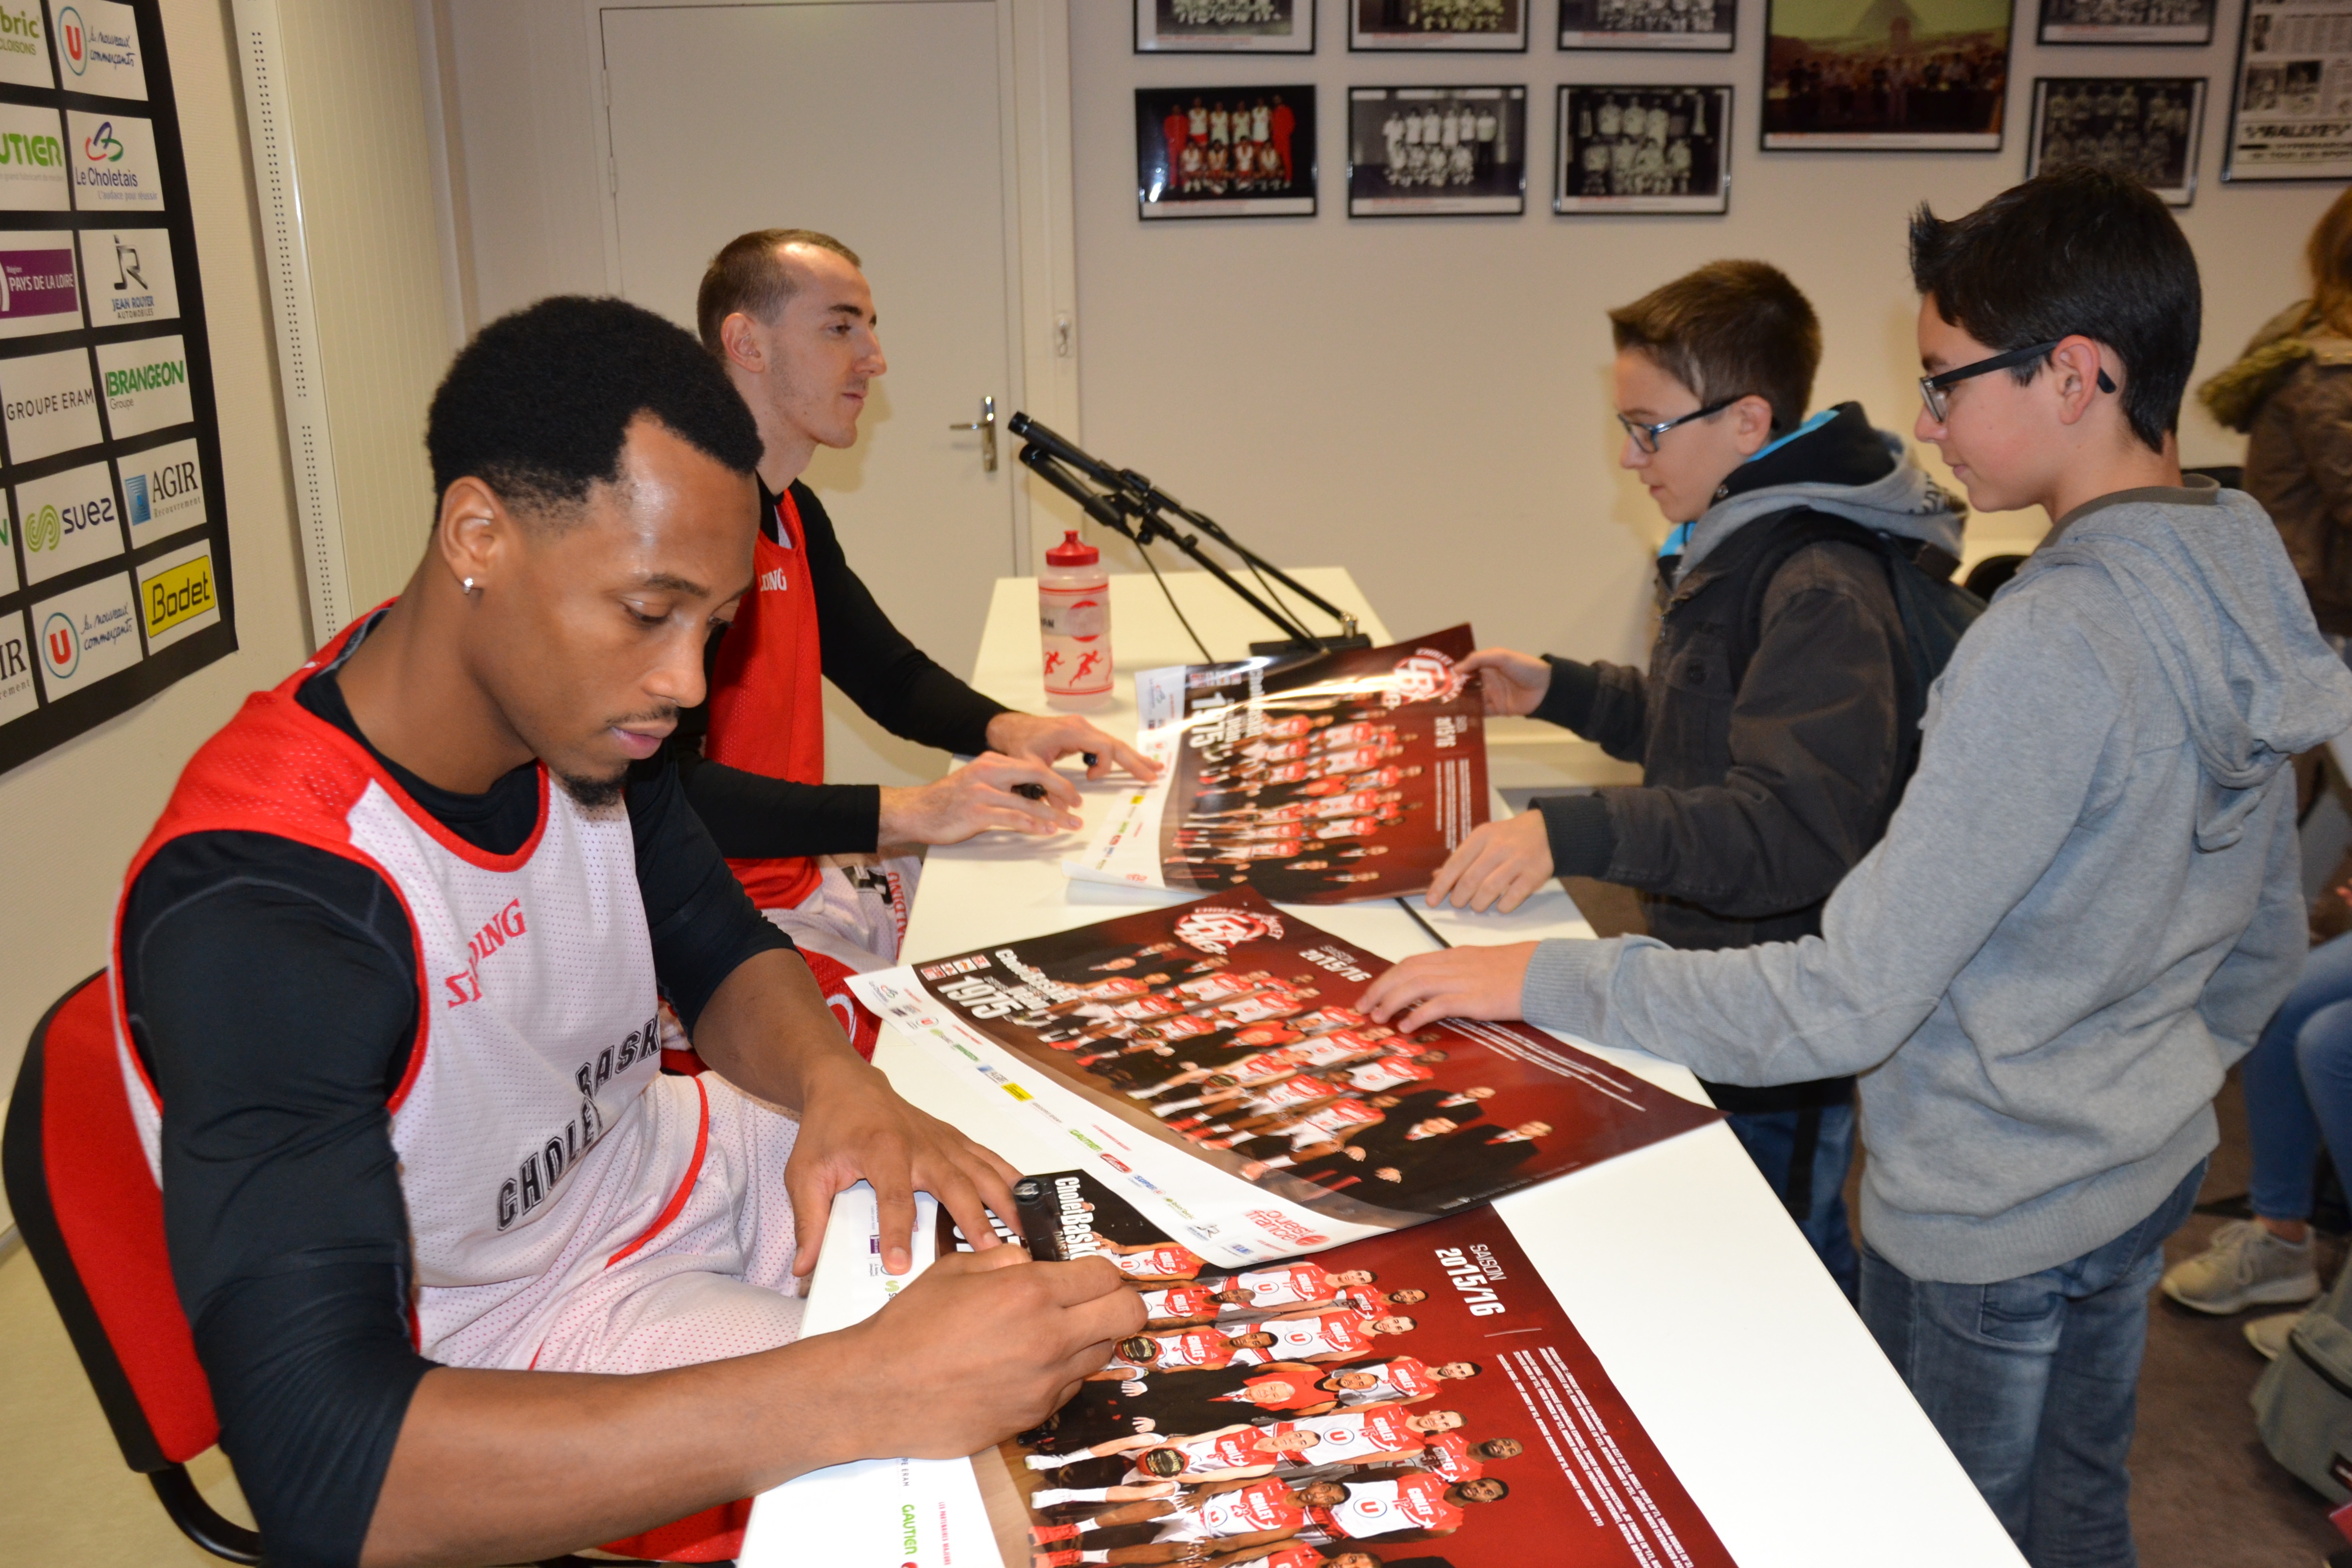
986	426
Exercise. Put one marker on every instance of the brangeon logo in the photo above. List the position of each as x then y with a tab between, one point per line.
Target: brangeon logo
153	376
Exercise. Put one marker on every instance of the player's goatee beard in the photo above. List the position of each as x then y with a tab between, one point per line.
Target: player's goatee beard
596	794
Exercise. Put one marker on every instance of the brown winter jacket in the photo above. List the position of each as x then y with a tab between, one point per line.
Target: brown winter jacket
2299	454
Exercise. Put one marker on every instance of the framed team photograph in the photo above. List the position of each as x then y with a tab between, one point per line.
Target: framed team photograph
1494	26
1701	25
2286	119
1912	76
2147	128
1224	26
1436	152
2127	21
1224	152
1643	150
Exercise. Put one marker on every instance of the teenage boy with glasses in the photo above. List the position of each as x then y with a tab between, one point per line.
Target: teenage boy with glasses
1771	725
2089	902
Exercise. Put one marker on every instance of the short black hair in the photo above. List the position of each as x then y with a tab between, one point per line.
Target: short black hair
539	404
2076	250
1730	330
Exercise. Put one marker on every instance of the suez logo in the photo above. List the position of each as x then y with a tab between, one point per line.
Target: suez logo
537	1173
465	985
51	527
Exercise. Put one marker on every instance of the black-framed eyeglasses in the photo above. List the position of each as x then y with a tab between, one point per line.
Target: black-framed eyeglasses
1646	436
1933	387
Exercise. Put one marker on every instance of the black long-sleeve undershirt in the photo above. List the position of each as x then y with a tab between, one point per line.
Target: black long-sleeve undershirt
272	992
900	687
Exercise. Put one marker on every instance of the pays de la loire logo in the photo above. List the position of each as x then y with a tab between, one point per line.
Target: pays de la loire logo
1425	675
1213	930
101	147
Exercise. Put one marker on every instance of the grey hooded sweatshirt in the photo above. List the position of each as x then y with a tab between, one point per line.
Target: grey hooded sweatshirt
2086	907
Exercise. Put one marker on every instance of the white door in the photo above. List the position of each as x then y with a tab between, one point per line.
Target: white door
880	123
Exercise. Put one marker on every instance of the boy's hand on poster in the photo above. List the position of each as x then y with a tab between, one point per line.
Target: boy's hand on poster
977	797
1459	983
1496	867
1515	682
1046	739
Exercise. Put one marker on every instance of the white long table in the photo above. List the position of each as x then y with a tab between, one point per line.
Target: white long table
1683	1271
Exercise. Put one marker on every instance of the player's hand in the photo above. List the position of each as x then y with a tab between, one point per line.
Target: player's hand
1496	867
1046	739
977	797
1512	682
1459	983
985	1344
854	1126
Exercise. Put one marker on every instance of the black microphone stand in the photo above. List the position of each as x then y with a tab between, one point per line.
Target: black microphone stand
1138	511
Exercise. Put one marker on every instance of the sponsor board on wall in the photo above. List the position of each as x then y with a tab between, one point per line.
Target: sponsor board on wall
115	575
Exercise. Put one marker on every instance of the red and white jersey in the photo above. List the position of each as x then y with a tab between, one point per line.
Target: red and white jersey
1178	1303
1332	1017
1447	1454
1275	751
519	1124
1389	777
1349	760
1291	1092
1292	1285
1291	728
1223	983
1283	773
1406	1378
1104	990
1150	1006
1354	734
1333	1121
1335	1049
1342	804
1169	1262
1266	1505
1241	1448
1388	1073
1204	1348
1325	1333
1264	1065
1182	1027
1272	1002
1383	1507
1368	1300
1353	1435
1292	1556
1275	1034
1350	827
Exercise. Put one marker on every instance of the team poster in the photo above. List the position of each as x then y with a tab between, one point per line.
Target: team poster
1317	780
1207	1061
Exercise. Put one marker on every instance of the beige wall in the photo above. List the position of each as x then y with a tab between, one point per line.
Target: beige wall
1424	400
75	814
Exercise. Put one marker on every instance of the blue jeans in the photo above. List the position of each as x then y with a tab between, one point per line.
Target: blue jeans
2298	1081
2034	1382
1815	1196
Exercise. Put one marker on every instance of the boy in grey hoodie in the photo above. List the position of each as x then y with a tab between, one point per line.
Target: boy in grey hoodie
2089	901
1771	725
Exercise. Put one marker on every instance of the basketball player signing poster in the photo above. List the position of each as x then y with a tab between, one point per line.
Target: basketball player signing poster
1317	780
1208	1060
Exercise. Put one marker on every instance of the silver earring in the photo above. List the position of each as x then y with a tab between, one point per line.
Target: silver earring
469	584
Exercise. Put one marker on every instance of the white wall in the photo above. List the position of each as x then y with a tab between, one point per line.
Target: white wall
1425	400
77	814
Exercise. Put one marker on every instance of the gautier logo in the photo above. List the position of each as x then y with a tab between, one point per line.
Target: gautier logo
40	152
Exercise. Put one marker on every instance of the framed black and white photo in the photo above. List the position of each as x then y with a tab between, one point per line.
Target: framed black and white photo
1495	26
1224	152
2127	21
2286	108
1224	26
1912	76
1436	152
2144	128
1643	150
1703	24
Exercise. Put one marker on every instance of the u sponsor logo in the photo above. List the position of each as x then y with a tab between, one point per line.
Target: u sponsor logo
69	27
61	644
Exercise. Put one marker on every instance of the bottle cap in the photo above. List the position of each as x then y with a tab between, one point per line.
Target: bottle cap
1072	551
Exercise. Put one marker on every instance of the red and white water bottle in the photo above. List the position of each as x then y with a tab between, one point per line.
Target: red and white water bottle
1074	621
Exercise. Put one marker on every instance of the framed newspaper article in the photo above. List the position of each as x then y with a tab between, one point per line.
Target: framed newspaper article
1689	24
1224	26
2127	21
2289	116
1465	25
1224	152
2145	127
1643	150
1896	75
1435	152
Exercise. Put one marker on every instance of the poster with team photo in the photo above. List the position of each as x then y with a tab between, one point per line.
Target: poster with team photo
1643	149
1224	26
1435	151
2143	127
1921	76
1318	780
1227	151
1476	25
2290	102
1705	25
1208	1060
2127	21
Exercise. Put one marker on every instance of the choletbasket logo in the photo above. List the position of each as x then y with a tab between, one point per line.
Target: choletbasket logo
1425	675
1214	929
